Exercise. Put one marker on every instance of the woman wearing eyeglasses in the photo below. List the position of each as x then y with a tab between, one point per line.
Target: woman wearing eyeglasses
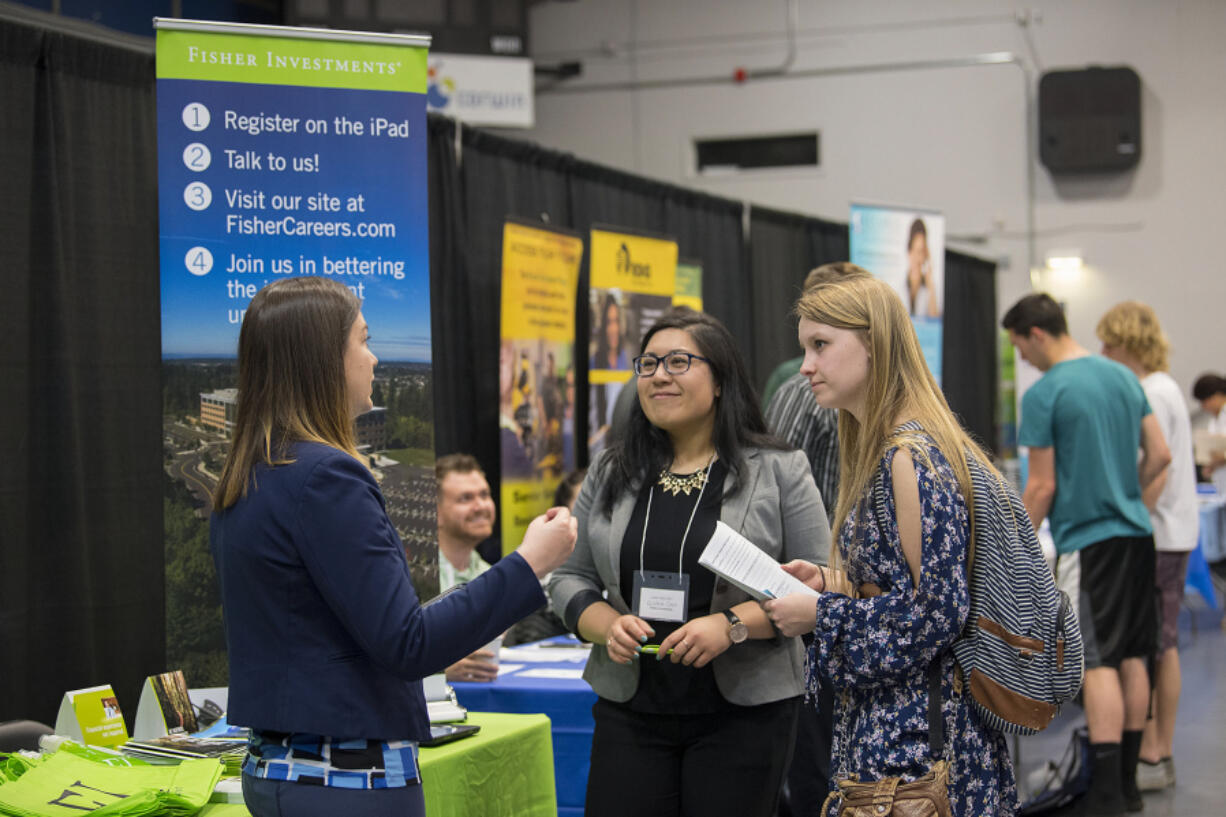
707	727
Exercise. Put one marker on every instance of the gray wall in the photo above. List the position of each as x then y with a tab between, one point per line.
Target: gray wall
952	139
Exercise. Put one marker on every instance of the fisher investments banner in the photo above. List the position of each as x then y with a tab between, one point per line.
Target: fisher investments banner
286	152
540	276
633	282
906	247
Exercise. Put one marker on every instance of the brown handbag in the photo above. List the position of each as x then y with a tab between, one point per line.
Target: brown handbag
925	797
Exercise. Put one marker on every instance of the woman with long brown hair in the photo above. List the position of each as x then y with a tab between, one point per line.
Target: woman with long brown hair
327	641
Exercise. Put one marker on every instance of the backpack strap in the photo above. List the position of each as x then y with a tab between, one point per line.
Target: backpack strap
936	723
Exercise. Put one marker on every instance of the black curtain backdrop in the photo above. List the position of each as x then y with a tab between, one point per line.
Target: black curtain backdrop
781	255
449	288
498	178
830	241
969	355
783	248
710	230
82	598
81	564
501	179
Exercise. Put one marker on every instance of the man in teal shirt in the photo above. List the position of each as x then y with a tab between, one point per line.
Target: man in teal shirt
1083	422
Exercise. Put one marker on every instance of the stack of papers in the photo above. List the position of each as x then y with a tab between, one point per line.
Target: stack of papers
557	673
172	749
548	654
739	560
1205	444
447	711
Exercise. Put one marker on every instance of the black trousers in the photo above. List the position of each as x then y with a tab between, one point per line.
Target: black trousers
728	763
808	780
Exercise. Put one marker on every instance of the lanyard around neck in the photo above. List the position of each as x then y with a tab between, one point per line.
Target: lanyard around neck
693	513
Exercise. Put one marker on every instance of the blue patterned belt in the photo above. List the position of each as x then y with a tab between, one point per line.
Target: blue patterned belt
336	762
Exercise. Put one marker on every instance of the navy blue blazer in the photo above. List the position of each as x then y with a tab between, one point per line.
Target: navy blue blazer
324	630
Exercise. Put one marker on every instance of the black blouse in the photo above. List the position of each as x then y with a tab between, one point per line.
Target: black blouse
665	687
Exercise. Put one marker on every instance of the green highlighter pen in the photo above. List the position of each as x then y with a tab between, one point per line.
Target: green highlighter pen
652	649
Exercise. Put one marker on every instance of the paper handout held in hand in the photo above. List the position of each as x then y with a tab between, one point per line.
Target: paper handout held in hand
736	559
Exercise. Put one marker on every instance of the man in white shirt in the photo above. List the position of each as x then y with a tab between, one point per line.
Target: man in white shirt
1131	335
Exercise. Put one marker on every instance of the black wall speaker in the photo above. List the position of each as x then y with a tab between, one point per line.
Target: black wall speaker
1090	120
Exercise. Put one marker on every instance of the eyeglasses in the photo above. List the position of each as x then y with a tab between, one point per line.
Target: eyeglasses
675	363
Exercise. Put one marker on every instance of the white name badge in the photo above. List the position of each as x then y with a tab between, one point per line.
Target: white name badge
661	596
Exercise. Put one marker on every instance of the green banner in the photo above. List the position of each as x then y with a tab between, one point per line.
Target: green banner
289	61
687	290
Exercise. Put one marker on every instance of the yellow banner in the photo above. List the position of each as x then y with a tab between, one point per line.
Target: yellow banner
540	276
540	271
633	281
633	263
522	501
600	376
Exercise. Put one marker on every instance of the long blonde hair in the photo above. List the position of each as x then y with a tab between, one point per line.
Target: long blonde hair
291	377
900	388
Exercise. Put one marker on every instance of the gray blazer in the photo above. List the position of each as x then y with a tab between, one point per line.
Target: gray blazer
777	508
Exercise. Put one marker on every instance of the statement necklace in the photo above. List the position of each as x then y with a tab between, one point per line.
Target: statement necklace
677	484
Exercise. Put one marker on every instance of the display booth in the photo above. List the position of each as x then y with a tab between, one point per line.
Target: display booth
83	481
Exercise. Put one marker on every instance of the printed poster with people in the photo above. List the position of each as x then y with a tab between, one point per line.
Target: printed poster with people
633	282
906	248
282	155
536	417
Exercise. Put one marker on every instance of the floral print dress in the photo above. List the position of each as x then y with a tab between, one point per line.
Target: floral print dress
876	651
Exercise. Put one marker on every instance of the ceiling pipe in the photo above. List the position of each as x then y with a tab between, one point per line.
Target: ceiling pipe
792	23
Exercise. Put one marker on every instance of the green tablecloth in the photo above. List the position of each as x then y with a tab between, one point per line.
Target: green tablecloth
505	770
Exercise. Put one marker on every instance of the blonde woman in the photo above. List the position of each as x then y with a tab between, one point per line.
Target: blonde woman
1131	335
897	594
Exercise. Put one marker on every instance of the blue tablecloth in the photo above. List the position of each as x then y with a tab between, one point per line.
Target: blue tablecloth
567	701
1212	520
1209	548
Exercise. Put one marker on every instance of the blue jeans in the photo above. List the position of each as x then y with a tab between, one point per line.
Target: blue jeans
285	798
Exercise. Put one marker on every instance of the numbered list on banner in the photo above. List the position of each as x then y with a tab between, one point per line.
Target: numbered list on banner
281	156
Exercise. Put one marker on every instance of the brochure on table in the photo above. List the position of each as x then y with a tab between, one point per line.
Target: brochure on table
164	708
92	716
